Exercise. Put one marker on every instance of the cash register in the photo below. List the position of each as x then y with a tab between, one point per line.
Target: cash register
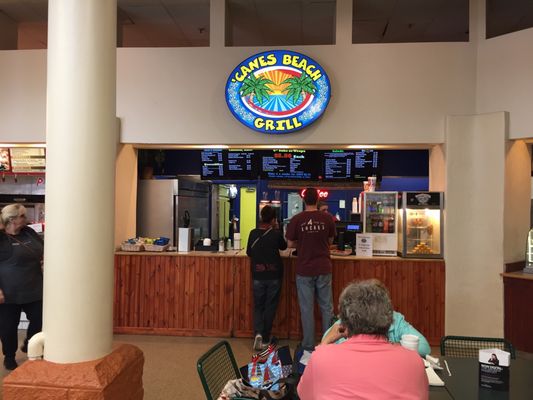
346	234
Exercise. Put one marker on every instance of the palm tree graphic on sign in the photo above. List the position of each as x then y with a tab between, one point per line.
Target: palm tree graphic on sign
277	93
299	86
257	87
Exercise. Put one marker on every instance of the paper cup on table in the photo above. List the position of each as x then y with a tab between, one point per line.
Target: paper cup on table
410	342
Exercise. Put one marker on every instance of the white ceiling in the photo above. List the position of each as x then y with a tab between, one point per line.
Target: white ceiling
177	23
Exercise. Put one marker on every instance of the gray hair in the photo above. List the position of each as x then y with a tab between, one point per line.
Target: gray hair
10	212
365	308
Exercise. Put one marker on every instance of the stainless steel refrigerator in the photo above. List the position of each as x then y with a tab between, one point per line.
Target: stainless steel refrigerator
162	203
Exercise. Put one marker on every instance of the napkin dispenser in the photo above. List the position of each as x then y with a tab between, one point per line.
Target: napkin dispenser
199	246
185	239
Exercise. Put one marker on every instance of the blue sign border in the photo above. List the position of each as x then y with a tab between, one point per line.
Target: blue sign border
287	124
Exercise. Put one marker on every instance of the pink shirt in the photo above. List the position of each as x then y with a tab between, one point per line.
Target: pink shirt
364	367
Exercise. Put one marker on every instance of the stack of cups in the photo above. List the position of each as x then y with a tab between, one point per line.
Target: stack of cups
371	183
237	241
409	342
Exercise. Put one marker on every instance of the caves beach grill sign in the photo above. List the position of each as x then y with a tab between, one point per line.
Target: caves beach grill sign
278	91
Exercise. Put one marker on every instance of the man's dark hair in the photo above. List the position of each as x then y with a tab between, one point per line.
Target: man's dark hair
267	214
310	196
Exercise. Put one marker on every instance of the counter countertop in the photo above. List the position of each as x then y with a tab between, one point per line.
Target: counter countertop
517	275
242	253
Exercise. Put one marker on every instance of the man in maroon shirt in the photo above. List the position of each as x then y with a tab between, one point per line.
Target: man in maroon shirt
311	232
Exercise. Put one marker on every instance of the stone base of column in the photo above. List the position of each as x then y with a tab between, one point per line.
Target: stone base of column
117	376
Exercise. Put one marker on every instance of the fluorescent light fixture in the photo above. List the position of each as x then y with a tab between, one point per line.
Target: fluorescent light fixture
38	145
362	146
212	146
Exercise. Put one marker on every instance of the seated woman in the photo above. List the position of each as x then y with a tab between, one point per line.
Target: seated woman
398	328
366	365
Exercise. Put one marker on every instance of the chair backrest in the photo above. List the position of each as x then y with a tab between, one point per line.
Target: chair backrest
216	367
469	346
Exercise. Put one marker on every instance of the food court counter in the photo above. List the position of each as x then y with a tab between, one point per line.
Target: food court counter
210	294
518	297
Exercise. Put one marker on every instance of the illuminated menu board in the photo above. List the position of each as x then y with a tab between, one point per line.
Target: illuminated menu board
237	164
27	159
240	164
288	164
212	164
338	165
366	164
5	164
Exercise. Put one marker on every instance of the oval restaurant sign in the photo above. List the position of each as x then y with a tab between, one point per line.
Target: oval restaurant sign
278	91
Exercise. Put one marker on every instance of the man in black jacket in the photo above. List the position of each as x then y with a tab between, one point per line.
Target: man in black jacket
264	244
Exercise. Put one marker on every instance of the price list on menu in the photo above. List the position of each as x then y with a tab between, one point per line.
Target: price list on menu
240	164
366	159
286	165
212	164
27	159
338	165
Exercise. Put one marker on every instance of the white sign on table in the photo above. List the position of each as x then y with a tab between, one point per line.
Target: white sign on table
363	245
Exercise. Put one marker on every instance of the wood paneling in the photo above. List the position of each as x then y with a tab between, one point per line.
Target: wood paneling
190	296
518	317
212	296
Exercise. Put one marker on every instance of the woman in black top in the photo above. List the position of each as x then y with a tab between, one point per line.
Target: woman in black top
21	280
264	244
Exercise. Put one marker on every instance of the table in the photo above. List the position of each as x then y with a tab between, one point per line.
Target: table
464	382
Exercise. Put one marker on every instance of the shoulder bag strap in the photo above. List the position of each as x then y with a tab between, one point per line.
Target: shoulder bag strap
257	240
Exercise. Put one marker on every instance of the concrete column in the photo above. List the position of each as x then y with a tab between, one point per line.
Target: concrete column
81	148
217	23
125	193
474	227
437	169
343	23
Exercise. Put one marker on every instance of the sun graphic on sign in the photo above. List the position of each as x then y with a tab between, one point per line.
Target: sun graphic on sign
278	91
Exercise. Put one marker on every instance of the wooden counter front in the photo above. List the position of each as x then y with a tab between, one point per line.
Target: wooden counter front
209	294
518	298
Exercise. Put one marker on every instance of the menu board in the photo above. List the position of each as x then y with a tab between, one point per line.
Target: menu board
5	164
237	164
338	165
240	164
212	164
288	164
366	164
27	159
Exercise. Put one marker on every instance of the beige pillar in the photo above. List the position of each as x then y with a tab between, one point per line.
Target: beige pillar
343	23
474	229
81	147
217	23
437	169
126	193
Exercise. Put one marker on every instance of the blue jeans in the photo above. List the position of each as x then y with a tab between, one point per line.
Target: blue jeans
306	287
266	299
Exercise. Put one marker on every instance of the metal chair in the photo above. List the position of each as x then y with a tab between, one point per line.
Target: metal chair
468	346
216	367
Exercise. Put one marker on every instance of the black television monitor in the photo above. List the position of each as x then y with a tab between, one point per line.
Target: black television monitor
290	164
366	163
240	164
212	164
338	165
231	164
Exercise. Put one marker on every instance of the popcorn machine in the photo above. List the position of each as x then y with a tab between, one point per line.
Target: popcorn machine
421	225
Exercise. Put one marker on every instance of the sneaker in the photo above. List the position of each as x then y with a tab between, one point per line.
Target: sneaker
10	363
258	342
